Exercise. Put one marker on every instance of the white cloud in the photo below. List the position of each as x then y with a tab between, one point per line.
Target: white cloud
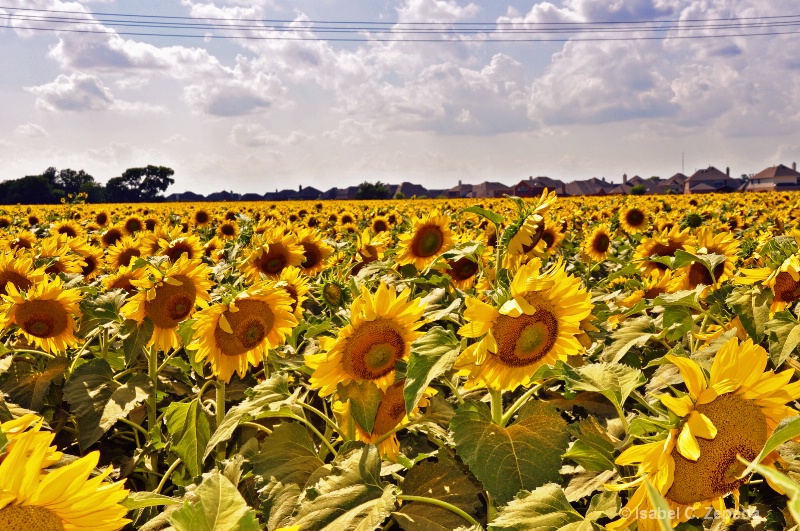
80	92
30	130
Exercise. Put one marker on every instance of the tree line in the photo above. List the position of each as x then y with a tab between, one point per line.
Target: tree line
51	186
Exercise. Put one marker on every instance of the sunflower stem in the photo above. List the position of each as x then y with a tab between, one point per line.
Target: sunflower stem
167	474
257	426
519	403
220	409
439	503
311	427
324	417
152	422
497	406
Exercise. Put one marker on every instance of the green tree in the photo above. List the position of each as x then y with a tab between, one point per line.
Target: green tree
72	181
30	190
639	189
368	190
139	184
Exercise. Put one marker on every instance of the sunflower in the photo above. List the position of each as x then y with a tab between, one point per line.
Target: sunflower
228	230
92	257
17	268
731	412
381	330
784	281
552	236
44	313
169	297
333	293
295	283
696	273
133	224
236	335
598	244
662	244
633	219
112	236
214	249
380	224
102	218
56	253
538	325
273	251
465	270
391	413
61	499
315	251
370	247
201	217
654	284
183	245
23	239
68	227
526	241
122	277
429	237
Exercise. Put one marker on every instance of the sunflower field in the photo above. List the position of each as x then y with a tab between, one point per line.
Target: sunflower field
564	364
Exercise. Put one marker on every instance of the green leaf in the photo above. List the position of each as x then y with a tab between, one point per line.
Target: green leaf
786	430
220	508
3	441
88	391
544	509
124	399
661	506
443	480
352	496
139	500
687	298
285	462
784	336
751	304
614	381
710	261
495	218
28	386
632	333
431	356
593	448
365	397
523	456
138	337
678	321
190	429
268	394
789	486
778	249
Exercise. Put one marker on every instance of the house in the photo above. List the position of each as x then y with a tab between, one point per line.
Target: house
408	190
593	186
710	180
223	196
533	187
775	178
673	185
185	196
491	189
462	190
252	197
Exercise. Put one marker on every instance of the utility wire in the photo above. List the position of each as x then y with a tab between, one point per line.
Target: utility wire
273	29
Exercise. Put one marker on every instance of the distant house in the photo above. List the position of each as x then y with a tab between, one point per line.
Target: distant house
490	189
775	178
673	185
223	196
408	190
533	187
710	180
185	196
462	190
593	186
251	197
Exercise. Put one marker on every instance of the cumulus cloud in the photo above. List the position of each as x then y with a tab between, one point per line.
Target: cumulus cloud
30	130
81	92
256	135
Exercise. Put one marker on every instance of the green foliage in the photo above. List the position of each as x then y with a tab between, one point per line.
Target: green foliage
639	189
367	190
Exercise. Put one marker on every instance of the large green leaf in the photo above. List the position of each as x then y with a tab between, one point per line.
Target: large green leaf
139	500
351	496
784	336
268	394
751	304
431	356
285	462
495	218
190	430
544	509
614	381
88	391
220	508
28	386
632	333
593	449
443	480
137	338
523	456
365	397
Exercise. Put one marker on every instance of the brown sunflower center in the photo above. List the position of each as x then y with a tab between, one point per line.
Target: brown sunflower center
250	325
332	293
176	249
427	241
661	249
124	258
313	256
786	288
69	231
549	238
133	225
741	430
372	350
201	217
227	230
123	282
524	340
273	260
172	304
19	281
391	410
634	217
379	225
26	517
462	269
601	242
90	267
699	274
42	318
101	218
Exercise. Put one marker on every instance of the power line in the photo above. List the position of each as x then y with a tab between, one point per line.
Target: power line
76	22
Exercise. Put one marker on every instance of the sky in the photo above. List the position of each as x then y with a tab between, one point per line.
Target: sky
256	115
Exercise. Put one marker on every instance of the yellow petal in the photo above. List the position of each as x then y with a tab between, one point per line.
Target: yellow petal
687	444
224	324
692	374
701	425
679	406
173	281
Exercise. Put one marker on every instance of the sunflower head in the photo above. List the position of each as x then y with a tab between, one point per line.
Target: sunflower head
430	236
315	251
273	251
598	244
633	219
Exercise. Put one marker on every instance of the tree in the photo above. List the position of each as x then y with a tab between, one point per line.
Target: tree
139	184
31	190
72	181
639	189
368	190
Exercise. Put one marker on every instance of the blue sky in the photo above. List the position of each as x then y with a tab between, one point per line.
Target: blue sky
254	116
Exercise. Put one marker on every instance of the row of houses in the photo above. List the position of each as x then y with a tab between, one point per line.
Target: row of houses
707	180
